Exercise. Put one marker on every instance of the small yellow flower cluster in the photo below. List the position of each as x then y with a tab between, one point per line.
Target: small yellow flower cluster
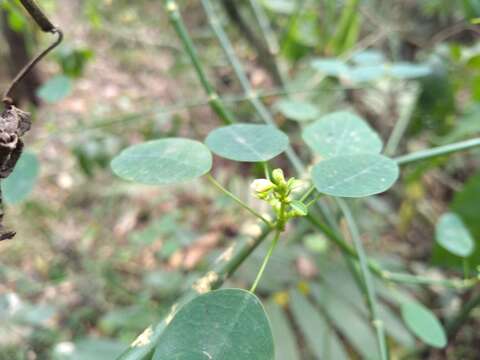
277	191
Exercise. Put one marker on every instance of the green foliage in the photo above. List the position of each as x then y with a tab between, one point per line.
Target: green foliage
297	110
314	326
18	186
355	175
247	142
56	89
424	324
73	60
452	235
163	162
341	133
284	338
465	205
228	323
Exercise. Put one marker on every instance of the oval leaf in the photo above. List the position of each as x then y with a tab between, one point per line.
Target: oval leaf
20	183
162	162
341	133
355	175
424	324
247	142
404	70
330	66
297	110
222	324
452	234
55	89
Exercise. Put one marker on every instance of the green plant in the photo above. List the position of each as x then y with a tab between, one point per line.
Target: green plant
351	166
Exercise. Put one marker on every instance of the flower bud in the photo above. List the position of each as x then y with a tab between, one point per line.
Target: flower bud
262	185
278	177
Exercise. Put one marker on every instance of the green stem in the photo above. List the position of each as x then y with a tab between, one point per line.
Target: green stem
266	170
437	151
181	30
367	280
314	200
265	261
237	200
402	124
388	275
305	196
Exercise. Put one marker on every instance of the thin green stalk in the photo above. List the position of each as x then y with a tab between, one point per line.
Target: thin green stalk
237	200
437	151
265	261
309	192
181	30
314	200
402	124
266	170
367	280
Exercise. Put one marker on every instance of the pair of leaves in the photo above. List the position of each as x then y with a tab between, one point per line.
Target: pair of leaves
351	165
174	160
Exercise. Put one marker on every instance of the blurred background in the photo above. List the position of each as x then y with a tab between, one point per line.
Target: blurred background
96	260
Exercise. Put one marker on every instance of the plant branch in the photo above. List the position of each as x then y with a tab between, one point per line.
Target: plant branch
437	151
7	100
265	261
181	30
386	275
237	200
37	14
367	280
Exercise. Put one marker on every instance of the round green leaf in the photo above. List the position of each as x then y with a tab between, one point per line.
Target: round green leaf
452	234
355	175
297	110
55	89
247	142
222	324
424	324
20	183
162	162
341	133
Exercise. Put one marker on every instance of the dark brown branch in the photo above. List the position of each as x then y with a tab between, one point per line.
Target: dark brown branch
37	14
7	100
